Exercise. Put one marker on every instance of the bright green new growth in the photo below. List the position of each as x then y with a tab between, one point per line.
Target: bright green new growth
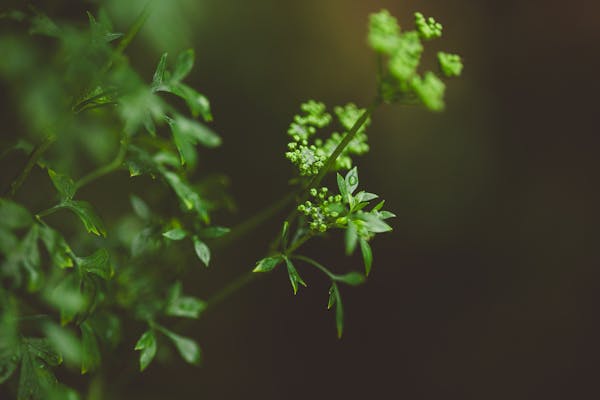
404	49
309	157
450	64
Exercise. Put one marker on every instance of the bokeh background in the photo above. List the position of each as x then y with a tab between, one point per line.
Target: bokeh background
488	286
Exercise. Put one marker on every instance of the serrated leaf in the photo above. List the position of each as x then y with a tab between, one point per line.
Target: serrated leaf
147	345
63	184
202	251
98	263
175	234
13	215
267	264
140	208
57	247
183	65
351	180
187	348
351	278
295	278
87	215
159	73
367	254
90	352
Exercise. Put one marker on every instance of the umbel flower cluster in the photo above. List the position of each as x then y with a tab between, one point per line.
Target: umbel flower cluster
310	156
404	50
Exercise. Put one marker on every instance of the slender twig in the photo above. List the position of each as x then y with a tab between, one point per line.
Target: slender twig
105	169
317	265
34	157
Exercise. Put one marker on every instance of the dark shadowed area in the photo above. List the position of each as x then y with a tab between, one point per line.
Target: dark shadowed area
488	287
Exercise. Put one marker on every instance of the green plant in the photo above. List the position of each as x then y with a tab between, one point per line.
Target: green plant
70	297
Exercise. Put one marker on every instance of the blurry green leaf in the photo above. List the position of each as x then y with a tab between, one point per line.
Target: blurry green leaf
373	223
59	250
175	234
295	278
31	259
65	343
159	74
367	254
183	306
202	251
107	327
66	297
267	264
342	186
90	352
183	65
379	205
9	337
13	215
188	348
187	132
35	378
352	180
386	215
63	184
190	199
332	296
140	207
8	241
87	215
147	344
197	103
213	232
351	238
98	263
351	278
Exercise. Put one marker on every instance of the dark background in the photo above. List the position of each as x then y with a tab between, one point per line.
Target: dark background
488	286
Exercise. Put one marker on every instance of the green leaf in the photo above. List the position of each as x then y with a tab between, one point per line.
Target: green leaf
147	345
367	254
284	233
35	378
65	343
13	215
350	238
42	349
159	74
352	180
175	234
365	196
90	352
196	102
188	348
57	247
351	278
374	224
202	251
87	215
183	65
97	263
66	297
190	199
187	131
343	188
267	264
140	208
386	215
31	259
63	184
213	232
336	298
183	306
295	278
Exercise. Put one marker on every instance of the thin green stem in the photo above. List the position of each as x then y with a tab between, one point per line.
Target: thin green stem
48	211
314	263
105	169
34	157
231	288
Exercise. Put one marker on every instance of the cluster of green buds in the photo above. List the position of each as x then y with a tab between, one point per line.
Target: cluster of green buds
324	211
404	50
309	157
